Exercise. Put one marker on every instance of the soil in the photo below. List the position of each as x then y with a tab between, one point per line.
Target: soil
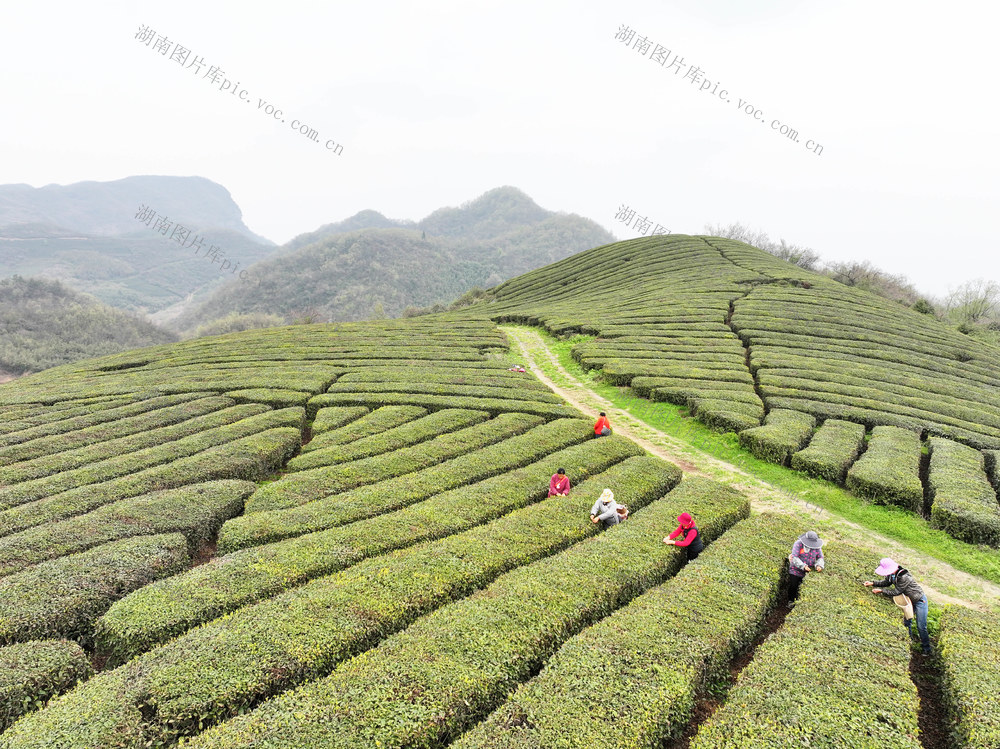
205	552
932	718
764	497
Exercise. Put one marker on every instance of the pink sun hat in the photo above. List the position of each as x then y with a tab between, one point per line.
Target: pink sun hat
886	567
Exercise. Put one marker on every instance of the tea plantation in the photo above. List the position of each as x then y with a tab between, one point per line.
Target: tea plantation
340	535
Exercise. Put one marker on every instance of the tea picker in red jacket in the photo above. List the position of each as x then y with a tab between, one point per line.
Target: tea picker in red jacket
603	427
690	537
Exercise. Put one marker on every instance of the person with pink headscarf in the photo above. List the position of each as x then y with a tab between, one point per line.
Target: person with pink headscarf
686	536
898	582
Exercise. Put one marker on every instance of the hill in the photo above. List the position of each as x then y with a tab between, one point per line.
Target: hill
87	235
354	269
44	324
341	535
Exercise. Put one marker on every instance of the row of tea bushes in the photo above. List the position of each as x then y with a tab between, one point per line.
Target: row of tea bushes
32	672
964	501
889	471
969	642
783	433
331	419
176	604
365	425
832	451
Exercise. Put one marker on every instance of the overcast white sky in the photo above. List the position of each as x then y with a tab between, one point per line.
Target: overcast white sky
436	102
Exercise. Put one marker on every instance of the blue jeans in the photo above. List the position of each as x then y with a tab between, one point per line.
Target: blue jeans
920	611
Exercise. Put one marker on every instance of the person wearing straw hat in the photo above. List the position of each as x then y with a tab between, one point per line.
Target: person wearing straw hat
899	585
605	510
806	556
686	536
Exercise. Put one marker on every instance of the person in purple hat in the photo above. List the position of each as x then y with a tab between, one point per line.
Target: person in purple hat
899	582
806	556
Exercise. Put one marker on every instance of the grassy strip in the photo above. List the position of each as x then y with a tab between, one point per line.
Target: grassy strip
429	683
970	667
675	421
376	422
832	450
174	605
95	427
32	672
307	486
889	471
219	428
397	438
224	667
836	673
783	433
436	402
63	597
251	458
647	662
264	527
964	500
156	427
197	511
328	419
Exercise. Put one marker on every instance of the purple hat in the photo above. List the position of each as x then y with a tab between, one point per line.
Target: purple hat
886	567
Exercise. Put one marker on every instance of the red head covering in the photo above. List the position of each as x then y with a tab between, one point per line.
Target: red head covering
685	519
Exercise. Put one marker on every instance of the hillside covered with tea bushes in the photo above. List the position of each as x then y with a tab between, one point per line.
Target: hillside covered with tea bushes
341	535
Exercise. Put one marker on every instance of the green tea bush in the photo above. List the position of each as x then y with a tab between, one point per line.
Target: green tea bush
250	458
171	606
445	672
396	438
329	419
197	511
969	643
32	672
964	502
367	425
307	486
647	661
63	597
783	433
514	452
273	397
889	471
436	402
832	450
835	674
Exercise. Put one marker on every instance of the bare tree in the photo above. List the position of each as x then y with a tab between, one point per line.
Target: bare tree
974	301
800	256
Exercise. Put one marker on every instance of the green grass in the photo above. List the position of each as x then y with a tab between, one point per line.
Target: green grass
897	524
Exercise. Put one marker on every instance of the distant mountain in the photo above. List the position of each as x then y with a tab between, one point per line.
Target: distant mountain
88	236
369	265
43	323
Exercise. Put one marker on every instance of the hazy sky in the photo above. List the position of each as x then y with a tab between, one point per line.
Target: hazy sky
436	102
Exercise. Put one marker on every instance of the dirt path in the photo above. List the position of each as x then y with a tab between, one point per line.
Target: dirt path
936	576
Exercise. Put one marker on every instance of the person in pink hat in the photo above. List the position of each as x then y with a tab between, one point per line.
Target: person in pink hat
899	582
686	536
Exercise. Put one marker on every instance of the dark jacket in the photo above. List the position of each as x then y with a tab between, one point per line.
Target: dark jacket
901	583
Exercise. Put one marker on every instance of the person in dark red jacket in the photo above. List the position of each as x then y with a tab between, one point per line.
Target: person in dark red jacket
603	427
691	537
559	484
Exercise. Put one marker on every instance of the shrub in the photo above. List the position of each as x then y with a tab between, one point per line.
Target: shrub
274	397
63	597
783	433
889	471
169	607
397	438
32	672
222	668
964	503
855	689
251	458
992	463
444	389
307	486
375	422
197	511
832	450
436	402
650	658
970	670
263	527
458	662
328	419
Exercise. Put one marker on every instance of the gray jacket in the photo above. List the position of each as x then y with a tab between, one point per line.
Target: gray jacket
901	583
605	512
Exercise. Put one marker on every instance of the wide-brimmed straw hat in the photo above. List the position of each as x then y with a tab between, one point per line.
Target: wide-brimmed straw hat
607	496
886	567
811	540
